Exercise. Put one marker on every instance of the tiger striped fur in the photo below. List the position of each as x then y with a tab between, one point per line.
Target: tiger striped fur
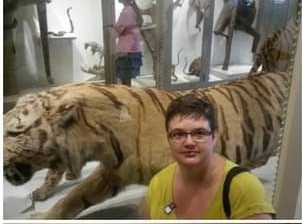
123	128
275	52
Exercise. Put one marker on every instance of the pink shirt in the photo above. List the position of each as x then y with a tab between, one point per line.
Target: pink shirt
127	31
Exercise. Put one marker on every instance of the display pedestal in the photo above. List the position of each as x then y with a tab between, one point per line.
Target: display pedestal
233	72
61	58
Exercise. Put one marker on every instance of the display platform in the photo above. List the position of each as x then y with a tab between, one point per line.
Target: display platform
233	72
148	80
16	199
122	206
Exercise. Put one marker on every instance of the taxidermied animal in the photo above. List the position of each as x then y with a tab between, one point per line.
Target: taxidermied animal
173	66
275	52
245	14
123	128
62	33
98	69
149	35
194	68
178	3
199	6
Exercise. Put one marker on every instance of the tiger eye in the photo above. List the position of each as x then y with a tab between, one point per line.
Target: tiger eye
25	112
37	122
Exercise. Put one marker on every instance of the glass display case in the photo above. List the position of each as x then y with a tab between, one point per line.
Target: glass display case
184	47
186	44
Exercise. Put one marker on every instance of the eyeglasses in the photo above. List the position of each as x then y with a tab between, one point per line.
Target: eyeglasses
198	135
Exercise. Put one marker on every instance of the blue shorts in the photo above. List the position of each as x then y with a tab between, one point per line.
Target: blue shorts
128	65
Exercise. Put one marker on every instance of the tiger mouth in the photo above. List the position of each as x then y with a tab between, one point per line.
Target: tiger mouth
18	173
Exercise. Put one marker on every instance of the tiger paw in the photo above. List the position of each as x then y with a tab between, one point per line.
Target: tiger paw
40	194
71	176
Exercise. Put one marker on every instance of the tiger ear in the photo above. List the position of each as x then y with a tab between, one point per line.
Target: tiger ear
67	113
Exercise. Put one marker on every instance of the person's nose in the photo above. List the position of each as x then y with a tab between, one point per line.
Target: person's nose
189	139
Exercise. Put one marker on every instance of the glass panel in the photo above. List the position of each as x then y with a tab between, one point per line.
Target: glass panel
49	43
149	43
177	35
192	22
184	46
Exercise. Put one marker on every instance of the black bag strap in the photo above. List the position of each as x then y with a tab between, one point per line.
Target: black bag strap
226	188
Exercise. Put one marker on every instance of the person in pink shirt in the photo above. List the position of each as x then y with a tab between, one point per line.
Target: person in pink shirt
128	49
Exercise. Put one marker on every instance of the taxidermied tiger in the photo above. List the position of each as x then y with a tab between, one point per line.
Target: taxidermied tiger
275	52
123	128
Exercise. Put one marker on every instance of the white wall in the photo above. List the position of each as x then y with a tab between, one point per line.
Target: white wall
185	35
87	20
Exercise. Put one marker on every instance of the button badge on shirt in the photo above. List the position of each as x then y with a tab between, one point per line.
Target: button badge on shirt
169	208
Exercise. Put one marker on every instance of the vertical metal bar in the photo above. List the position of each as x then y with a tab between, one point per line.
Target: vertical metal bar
207	41
159	42
10	86
165	43
157	45
108	12
42	15
228	45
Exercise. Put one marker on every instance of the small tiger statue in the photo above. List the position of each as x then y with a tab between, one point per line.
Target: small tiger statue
123	128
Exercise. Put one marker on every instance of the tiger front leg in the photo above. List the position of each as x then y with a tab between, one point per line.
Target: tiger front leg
97	187
69	175
52	179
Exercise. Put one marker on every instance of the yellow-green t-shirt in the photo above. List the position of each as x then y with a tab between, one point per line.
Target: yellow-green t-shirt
247	196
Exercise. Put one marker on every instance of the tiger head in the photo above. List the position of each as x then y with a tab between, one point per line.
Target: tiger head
28	145
60	129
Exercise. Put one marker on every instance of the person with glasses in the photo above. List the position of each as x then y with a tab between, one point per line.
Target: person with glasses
192	186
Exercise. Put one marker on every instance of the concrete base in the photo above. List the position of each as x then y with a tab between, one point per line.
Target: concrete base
233	72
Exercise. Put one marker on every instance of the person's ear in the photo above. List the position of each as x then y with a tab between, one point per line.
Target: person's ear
215	136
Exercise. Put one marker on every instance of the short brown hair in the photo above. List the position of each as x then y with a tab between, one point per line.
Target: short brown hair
191	106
